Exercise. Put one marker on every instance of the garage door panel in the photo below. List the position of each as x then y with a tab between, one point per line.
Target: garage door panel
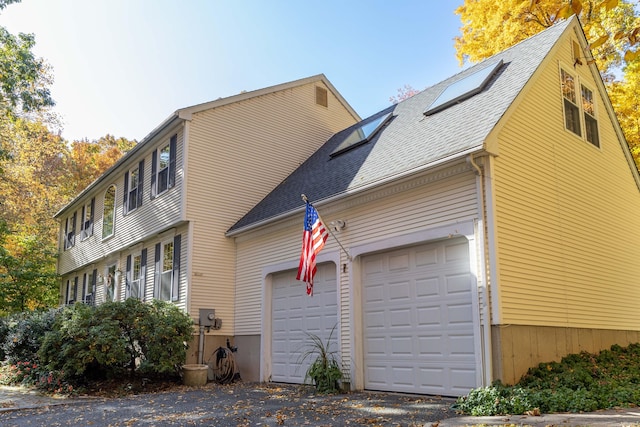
457	283
459	346
426	257
427	287
399	263
400	317
419	330
456	252
374	293
399	291
429	316
294	314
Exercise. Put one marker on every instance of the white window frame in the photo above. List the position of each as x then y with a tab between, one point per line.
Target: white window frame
111	285
595	139
580	107
70	232
67	296
160	169
166	257
136	282
86	225
132	199
113	212
87	288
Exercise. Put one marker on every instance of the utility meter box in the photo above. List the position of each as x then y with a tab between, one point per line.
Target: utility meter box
207	317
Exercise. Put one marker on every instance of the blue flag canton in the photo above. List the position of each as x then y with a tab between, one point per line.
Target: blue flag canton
310	218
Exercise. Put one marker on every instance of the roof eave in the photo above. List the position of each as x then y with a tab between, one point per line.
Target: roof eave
168	122
456	157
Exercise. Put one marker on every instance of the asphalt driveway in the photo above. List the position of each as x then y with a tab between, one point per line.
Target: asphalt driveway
251	404
244	404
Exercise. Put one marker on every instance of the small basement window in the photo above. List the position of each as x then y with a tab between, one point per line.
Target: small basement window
463	89
361	134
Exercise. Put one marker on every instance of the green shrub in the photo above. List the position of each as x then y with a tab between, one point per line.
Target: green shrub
32	374
578	383
116	338
25	333
163	338
4	331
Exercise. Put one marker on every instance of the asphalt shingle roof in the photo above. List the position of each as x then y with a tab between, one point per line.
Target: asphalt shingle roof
410	140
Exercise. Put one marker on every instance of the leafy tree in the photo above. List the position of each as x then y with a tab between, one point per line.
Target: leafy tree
40	174
405	92
28	279
612	28
624	96
24	78
87	160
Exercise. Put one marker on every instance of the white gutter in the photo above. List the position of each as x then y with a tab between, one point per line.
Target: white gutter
487	366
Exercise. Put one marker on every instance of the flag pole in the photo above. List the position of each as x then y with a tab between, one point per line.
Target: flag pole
304	198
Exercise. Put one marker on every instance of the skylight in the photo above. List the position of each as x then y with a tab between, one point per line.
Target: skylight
361	134
462	89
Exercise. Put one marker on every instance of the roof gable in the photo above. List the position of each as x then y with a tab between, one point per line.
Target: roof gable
410	141
186	113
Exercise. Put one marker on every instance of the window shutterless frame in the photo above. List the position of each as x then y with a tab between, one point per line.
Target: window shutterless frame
579	106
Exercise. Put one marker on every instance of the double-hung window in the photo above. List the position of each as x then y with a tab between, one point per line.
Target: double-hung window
133	189
163	167
136	275
72	291
590	122
108	212
133	185
579	108
89	287
70	231
167	271
86	226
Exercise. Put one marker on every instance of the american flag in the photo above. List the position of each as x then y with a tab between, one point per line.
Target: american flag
313	238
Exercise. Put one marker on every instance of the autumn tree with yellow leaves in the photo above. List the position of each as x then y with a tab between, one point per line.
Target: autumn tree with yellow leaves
39	173
612	28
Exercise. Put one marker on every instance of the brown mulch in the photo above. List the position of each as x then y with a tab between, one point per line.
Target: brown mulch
121	387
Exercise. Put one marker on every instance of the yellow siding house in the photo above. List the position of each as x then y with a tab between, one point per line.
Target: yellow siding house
482	226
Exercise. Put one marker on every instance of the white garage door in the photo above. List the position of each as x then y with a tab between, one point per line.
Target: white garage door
418	320
294	314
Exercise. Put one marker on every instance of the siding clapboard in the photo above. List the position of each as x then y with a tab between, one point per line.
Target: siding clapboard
440	202
566	215
237	154
150	218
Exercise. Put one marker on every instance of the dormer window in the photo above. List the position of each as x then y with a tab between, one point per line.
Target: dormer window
577	104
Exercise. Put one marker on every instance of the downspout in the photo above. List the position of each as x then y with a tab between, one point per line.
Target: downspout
486	326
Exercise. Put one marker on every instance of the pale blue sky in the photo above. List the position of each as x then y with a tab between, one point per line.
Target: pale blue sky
123	66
